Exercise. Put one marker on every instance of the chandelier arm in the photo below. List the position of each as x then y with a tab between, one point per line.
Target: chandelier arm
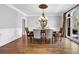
43	14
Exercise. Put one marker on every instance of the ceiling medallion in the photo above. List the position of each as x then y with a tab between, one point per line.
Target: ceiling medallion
43	6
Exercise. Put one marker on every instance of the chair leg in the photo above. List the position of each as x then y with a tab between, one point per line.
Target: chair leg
53	38
41	40
32	39
51	41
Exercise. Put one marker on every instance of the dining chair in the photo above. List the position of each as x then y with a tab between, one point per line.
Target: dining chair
60	37
49	35
29	34
60	34
37	34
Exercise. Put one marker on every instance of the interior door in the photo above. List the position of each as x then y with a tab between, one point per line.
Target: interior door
23	26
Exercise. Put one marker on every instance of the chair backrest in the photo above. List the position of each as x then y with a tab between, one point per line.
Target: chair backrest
26	29
49	33
61	31
37	34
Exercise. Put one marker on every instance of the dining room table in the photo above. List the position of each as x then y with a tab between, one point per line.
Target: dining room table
43	33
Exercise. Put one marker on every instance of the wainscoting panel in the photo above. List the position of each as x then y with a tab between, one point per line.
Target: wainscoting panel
8	35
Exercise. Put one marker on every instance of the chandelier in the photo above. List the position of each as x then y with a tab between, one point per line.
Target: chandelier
43	18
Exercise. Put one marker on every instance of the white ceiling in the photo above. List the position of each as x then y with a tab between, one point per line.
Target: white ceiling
53	9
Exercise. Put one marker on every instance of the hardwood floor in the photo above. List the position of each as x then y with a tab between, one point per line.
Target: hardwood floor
24	46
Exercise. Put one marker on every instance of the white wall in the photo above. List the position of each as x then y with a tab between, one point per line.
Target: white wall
10	25
54	22
7	17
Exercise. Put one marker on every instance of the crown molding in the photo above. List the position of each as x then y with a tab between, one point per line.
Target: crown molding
16	9
71	8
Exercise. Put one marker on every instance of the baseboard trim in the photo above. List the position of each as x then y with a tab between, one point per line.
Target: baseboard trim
72	40
11	41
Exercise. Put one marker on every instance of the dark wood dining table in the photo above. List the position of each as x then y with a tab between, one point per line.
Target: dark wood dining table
43	31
